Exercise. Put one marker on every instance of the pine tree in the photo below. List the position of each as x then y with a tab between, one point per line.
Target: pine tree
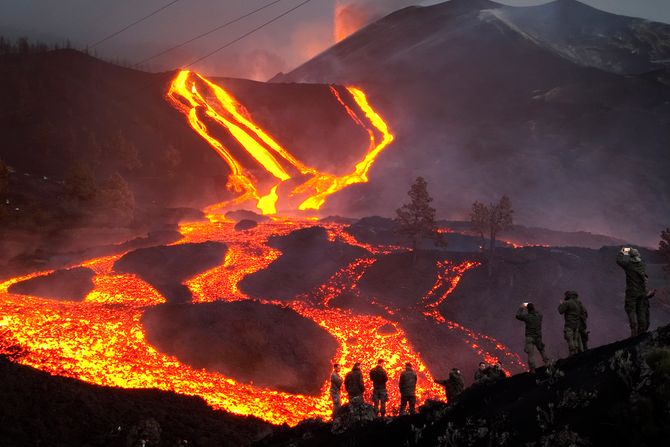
117	201
490	221
416	219
4	177
80	182
664	247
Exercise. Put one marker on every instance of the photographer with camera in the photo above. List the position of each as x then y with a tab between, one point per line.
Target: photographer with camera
533	333
636	302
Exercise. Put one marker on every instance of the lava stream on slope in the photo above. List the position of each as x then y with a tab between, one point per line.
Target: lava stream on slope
101	340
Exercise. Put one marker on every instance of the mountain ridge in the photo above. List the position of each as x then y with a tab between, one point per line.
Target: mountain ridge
489	110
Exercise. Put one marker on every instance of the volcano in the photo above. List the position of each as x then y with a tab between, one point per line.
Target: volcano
488	99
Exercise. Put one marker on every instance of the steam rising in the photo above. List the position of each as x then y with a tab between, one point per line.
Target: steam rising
350	16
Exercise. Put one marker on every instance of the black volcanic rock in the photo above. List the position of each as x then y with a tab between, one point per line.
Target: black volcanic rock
616	394
592	37
265	344
38	408
166	267
399	281
68	285
245	224
308	260
486	304
240	215
481	107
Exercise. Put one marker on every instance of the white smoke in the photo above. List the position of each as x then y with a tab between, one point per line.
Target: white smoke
352	15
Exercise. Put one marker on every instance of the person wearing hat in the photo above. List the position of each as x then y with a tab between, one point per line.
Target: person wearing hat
636	302
574	312
453	386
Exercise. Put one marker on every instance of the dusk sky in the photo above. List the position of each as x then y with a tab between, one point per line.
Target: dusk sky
280	46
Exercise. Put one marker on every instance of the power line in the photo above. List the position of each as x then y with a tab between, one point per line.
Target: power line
132	24
207	33
226	45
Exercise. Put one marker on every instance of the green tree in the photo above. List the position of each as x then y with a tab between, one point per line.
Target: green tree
80	182
664	247
117	201
126	152
416	219
490	220
170	159
4	178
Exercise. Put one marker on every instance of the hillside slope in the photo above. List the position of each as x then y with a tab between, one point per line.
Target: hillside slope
613	395
482	105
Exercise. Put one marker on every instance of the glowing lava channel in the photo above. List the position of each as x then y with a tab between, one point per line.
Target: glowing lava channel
224	110
101	340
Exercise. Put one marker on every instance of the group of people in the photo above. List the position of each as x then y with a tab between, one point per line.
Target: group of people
353	384
575	331
636	305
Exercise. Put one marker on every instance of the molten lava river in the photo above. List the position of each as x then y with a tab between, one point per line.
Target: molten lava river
101	339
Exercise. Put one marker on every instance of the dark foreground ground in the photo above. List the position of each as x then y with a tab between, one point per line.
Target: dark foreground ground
617	394
37	409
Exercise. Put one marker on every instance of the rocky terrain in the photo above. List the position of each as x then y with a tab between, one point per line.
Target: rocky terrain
71	284
616	394
248	341
308	259
40	409
167	267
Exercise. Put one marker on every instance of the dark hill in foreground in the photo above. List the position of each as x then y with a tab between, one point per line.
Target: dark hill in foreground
618	394
39	409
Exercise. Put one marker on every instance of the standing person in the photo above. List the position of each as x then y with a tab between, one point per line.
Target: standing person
481	375
453	386
583	328
353	383
573	312
379	378
335	387
533	320
407	385
636	302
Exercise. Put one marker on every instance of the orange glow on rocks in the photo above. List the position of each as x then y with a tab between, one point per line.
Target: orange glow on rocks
101	340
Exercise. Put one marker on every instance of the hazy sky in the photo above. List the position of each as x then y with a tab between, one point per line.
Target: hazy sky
278	47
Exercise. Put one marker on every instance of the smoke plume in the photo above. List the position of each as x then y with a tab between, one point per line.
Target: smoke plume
350	16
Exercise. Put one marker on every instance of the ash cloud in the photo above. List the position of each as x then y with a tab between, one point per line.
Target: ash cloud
350	16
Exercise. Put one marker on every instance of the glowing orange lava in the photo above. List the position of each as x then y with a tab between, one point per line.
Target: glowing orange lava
207	105
100	340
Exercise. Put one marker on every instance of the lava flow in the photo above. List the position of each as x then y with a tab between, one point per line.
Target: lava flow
101	339
208	106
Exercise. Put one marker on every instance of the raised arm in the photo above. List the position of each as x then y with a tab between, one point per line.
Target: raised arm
521	314
623	259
